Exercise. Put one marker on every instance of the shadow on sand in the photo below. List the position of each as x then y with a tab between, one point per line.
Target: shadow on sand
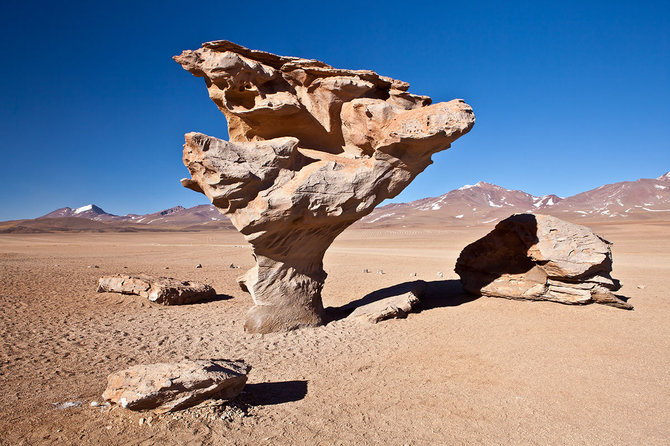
266	394
438	293
213	299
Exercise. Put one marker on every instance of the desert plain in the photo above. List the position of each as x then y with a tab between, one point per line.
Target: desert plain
462	370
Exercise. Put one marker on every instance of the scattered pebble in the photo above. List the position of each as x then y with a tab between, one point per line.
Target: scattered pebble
198	265
380	272
67	404
412	274
439	274
641	287
142	420
366	270
232	266
167	267
95	404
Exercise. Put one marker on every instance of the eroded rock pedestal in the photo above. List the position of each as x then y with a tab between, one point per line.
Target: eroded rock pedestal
539	257
312	149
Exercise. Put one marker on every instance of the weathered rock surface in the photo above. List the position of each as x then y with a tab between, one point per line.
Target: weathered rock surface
162	290
390	307
167	387
312	149
539	257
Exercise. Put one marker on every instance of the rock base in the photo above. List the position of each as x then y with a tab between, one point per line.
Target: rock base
285	299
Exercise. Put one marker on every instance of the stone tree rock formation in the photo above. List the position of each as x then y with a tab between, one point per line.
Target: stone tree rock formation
312	149
539	257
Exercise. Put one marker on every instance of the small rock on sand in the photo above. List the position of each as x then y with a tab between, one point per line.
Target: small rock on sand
67	404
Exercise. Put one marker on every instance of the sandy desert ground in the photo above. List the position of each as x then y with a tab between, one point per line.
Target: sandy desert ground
464	370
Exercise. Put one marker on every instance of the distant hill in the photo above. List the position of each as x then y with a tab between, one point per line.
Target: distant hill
481	203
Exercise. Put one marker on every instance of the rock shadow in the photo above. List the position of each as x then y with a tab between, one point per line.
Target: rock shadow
502	251
437	294
268	394
212	299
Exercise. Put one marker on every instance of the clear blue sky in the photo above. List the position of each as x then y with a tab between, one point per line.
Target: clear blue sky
568	95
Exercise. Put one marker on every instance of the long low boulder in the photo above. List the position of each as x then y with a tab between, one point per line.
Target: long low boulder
162	290
391	307
540	257
168	387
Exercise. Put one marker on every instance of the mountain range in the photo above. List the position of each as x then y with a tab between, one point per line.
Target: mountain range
485	203
477	204
177	216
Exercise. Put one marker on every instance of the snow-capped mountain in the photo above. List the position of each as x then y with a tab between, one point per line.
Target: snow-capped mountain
484	203
470	204
175	216
202	214
90	211
644	198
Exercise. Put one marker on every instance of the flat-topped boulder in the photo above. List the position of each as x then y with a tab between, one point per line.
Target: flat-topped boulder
312	149
167	387
540	257
162	290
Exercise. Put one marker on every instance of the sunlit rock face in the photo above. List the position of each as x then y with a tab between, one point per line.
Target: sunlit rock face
312	149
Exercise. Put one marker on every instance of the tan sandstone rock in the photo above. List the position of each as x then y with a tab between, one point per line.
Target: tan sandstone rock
398	306
312	149
167	387
162	290
539	257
